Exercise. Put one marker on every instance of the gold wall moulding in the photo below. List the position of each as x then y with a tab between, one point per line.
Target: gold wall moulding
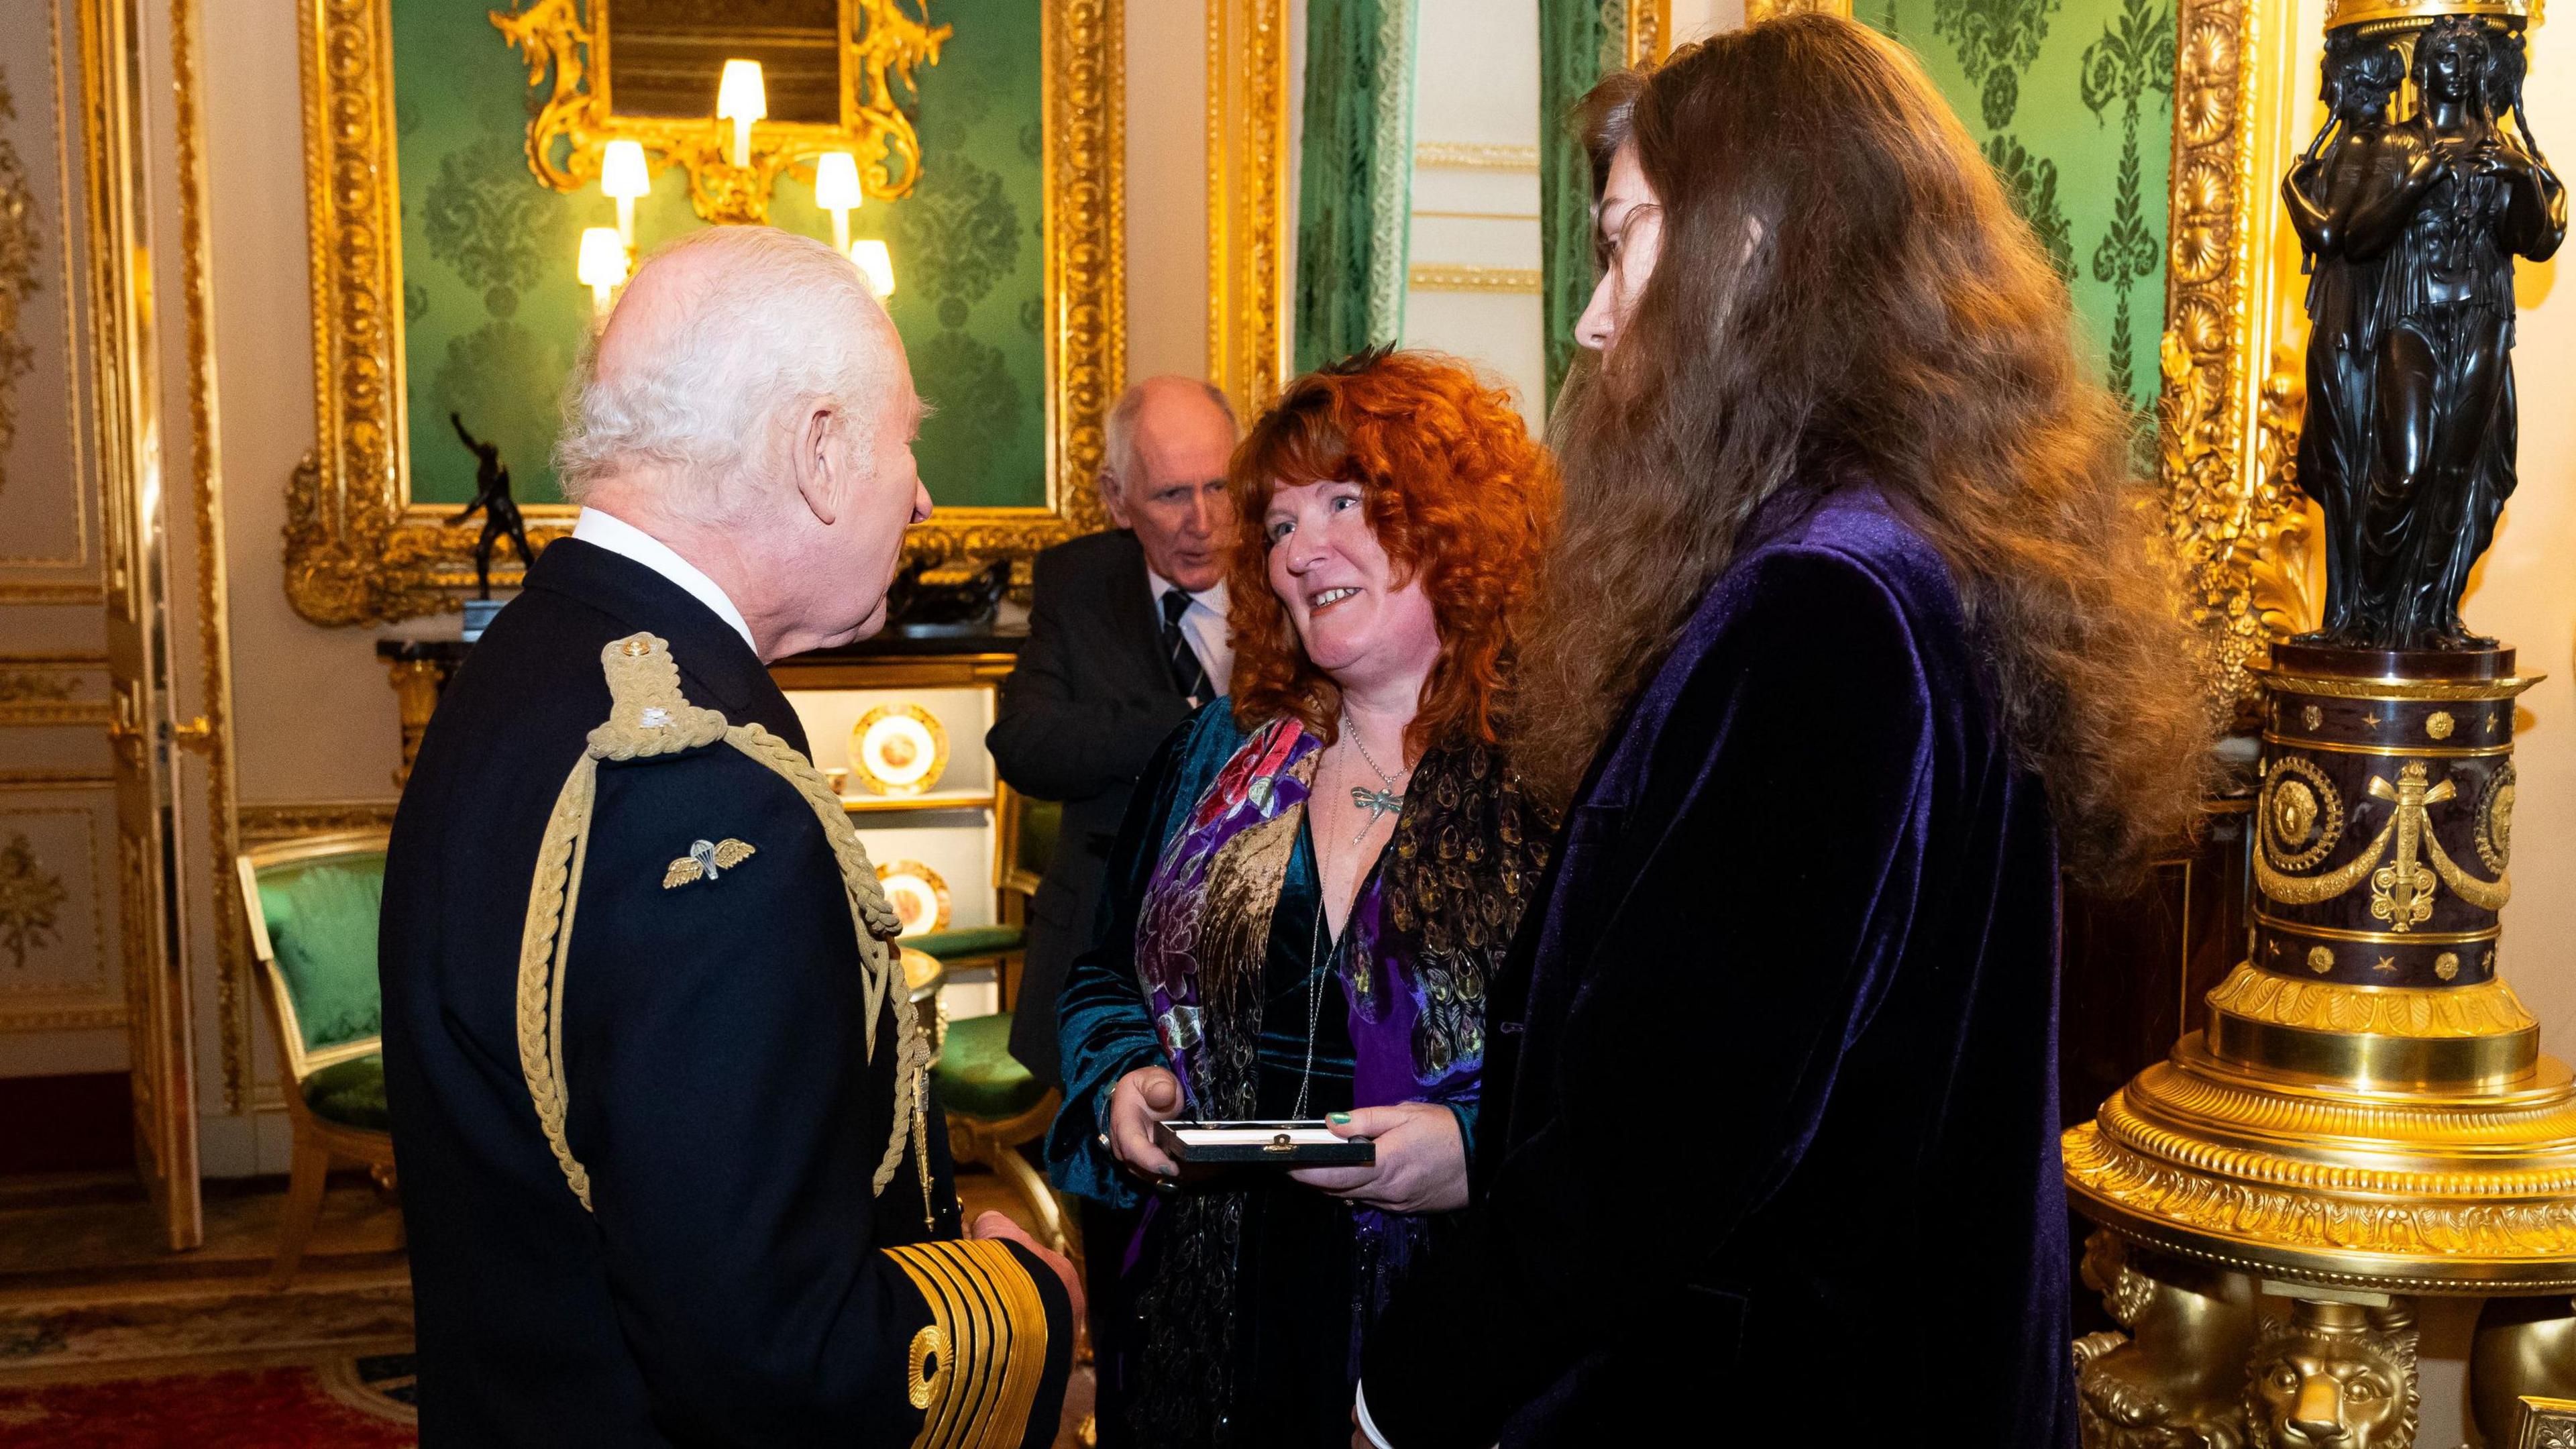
268	824
2227	419
359	551
1456	277
1247	159
1472	156
53	689
1757	11
19	246
1650	31
879	47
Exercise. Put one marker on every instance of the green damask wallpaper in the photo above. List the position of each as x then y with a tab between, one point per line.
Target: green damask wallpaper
493	316
2073	103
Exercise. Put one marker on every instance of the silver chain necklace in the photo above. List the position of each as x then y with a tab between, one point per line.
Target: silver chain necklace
1314	974
1378	803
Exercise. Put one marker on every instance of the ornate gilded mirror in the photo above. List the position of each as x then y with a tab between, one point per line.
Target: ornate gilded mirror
454	162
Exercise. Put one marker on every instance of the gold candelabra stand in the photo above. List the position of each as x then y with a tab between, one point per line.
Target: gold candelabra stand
2367	1118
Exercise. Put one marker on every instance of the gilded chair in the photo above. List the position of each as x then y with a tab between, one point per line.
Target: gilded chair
993	1104
312	904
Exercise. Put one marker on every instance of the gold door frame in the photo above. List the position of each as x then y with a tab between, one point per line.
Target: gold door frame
1249	209
2229	414
359	551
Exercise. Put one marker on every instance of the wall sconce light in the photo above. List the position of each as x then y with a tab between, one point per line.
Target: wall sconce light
741	99
873	259
622	175
602	267
836	190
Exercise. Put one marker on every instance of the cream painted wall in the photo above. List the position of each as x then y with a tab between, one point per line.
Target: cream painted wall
1167	262
1693	19
315	718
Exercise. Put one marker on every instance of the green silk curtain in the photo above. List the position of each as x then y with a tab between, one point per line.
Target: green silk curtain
1355	178
1579	41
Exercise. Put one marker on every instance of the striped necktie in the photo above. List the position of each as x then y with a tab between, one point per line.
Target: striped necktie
1188	675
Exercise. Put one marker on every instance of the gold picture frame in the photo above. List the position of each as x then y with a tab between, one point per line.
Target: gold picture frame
360	552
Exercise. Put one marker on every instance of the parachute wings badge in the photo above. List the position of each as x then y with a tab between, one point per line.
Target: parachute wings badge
706	860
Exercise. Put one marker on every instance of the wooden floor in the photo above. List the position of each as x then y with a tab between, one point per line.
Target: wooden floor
62	1234
93	1240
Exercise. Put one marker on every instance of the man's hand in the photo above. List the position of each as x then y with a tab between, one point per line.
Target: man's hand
1421	1162
1142	1098
995	1225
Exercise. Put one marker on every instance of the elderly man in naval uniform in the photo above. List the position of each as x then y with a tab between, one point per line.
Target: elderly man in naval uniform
666	1159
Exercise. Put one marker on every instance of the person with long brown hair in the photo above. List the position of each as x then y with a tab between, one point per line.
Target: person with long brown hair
1312	885
1856	633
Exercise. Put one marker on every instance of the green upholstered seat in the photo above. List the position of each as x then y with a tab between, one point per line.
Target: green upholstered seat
351	1093
978	1077
1040	822
969	941
321	918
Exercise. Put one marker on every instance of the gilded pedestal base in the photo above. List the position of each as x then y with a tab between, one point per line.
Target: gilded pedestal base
2368	1114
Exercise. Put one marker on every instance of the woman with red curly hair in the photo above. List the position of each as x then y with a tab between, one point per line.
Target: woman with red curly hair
1314	884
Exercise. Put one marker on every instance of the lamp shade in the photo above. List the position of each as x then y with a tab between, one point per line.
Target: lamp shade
621	170
877	262
740	95
836	181
603	257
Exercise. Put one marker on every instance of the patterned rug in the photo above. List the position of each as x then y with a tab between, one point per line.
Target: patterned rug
329	1369
329	1406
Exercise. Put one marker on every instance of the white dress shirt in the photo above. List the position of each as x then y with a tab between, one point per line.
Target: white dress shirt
615	534
1203	624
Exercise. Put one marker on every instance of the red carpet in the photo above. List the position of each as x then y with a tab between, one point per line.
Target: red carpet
283	1408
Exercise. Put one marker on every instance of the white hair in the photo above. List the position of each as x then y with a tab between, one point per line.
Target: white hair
771	327
1119	446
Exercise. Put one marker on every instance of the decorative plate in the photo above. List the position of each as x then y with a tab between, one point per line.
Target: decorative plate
899	749
918	895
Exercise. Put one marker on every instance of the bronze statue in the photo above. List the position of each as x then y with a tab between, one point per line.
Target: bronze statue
2411	228
2333	1376
500	510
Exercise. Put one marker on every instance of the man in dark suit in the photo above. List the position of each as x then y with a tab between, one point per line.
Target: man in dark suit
668	1176
1126	638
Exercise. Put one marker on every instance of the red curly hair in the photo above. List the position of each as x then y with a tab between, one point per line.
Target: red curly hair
1459	495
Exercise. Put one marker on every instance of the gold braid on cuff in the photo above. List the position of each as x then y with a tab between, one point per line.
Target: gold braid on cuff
974	1371
649	717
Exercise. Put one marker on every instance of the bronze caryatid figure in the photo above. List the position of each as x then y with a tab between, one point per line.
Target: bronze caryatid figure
2411	225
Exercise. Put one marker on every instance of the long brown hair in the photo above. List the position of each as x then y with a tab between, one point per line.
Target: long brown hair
1459	495
1890	316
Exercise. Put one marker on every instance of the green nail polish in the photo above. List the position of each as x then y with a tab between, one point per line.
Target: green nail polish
1338	1119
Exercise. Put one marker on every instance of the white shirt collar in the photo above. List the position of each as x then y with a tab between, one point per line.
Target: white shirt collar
615	534
1212	598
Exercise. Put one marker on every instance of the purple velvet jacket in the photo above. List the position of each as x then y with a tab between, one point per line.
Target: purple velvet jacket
1769	1143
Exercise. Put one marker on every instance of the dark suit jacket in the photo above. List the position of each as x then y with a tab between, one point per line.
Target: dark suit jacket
1079	718
1790	993
729	1287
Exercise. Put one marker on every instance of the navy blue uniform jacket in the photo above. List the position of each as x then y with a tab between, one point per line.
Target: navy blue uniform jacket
1769	1142
730	1288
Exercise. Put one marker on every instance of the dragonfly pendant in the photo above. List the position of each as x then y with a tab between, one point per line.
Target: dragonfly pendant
1377	803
